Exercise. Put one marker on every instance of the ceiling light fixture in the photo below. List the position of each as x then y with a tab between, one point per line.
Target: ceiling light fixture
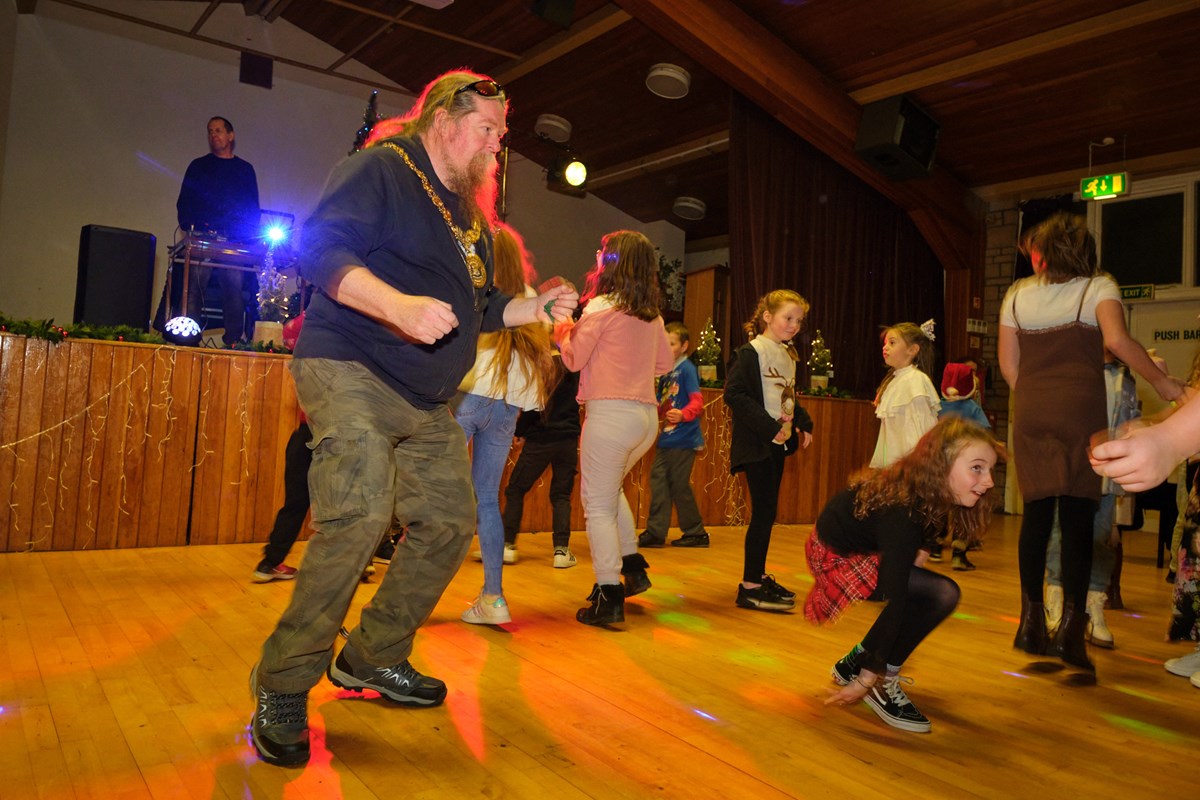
690	208
556	129
669	81
567	175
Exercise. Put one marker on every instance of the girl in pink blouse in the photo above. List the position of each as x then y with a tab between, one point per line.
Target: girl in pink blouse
618	347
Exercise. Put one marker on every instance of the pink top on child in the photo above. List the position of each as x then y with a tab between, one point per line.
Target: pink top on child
616	355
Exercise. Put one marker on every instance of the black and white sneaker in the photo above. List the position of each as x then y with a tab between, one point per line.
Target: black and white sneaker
399	683
888	700
778	589
847	668
279	728
762	599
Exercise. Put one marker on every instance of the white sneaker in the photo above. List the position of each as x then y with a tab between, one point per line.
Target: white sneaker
1098	632
1195	679
563	558
1184	666
1054	605
510	554
482	612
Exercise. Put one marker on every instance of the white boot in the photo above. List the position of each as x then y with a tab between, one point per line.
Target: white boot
1097	629
1054	603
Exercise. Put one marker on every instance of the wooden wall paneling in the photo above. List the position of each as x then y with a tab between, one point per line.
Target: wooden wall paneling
249	433
49	462
134	494
155	479
183	454
210	448
12	351
94	434
67	528
267	460
19	505
235	468
110	470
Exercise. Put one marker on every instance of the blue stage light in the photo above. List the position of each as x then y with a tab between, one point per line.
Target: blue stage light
276	234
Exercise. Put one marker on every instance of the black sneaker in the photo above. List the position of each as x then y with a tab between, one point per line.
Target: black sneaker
648	540
960	561
399	683
778	589
279	728
691	540
935	553
887	699
762	599
847	667
386	549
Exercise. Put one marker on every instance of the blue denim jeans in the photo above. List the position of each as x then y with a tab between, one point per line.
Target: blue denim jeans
489	425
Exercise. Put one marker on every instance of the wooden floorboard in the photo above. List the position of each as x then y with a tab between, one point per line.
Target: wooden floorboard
123	673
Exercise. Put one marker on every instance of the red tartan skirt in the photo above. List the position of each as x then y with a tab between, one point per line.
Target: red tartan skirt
838	580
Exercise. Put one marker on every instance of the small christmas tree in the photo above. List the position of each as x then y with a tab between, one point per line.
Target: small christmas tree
820	362
708	347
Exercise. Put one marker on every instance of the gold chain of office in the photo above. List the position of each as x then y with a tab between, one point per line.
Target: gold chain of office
466	239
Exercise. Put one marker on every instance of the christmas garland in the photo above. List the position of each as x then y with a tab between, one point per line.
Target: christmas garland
47	330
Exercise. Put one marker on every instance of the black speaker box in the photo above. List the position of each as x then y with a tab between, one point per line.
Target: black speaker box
898	138
256	70
116	275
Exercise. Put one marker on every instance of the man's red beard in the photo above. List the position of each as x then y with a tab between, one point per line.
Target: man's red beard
477	188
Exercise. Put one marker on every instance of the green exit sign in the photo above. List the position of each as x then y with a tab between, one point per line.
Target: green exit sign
1101	187
1143	291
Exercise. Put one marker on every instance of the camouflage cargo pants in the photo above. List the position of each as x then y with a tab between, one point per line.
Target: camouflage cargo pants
374	455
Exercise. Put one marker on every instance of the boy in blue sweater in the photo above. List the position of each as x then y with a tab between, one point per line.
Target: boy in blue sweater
680	403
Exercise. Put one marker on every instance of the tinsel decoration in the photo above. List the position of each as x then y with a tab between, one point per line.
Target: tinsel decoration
370	117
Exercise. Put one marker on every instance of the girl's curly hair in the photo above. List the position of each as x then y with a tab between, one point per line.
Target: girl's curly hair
919	481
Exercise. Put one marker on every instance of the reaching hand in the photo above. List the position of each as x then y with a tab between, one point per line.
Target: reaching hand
1136	461
557	303
854	691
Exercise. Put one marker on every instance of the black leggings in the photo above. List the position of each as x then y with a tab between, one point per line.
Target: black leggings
1075	518
931	598
763	479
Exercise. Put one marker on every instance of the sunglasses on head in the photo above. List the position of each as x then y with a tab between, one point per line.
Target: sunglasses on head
485	88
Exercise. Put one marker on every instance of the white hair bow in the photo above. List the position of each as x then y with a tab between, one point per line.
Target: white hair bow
927	329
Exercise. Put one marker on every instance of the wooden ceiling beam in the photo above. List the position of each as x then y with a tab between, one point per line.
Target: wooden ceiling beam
370	12
663	159
1068	181
995	57
590	27
752	60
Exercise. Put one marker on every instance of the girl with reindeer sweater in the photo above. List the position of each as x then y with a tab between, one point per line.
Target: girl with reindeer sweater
768	426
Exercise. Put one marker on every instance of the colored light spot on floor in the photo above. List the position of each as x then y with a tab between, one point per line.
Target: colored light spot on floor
685	622
754	658
703	714
1143	729
1135	657
671	638
965	617
1015	674
1009	620
1129	690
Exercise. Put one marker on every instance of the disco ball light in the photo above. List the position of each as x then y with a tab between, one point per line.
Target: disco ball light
183	331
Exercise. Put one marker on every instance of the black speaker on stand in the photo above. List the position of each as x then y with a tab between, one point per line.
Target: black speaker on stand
898	138
116	276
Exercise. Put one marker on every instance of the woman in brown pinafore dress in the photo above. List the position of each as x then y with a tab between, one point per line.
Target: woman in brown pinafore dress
1054	326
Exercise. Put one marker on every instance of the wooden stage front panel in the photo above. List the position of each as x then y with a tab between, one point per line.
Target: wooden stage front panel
114	444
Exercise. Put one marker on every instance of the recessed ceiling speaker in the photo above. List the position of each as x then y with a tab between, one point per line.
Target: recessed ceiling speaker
898	138
689	208
556	129
669	81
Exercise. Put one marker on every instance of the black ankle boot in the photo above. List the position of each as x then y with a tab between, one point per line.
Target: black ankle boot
1070	644
607	605
1031	634
634	567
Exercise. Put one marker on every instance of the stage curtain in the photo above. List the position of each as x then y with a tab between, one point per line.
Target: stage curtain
800	221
